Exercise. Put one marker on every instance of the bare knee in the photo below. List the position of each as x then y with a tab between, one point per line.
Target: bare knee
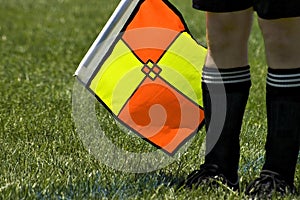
224	35
227	38
281	42
225	28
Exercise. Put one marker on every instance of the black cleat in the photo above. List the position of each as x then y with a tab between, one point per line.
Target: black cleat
268	184
210	175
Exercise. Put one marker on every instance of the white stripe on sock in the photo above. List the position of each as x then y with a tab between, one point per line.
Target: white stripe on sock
232	81
283	85
226	73
283	75
283	80
225	77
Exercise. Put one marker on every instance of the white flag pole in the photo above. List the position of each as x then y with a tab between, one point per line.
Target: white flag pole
105	39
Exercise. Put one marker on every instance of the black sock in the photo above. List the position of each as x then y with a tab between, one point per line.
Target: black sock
283	114
225	95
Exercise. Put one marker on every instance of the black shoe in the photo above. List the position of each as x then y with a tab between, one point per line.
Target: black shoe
209	175
268	184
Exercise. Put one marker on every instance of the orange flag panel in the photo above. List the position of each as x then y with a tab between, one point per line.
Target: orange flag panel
162	115
152	30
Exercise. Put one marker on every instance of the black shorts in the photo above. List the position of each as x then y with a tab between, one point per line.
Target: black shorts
266	9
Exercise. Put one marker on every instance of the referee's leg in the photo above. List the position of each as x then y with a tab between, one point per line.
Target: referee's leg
282	44
227	39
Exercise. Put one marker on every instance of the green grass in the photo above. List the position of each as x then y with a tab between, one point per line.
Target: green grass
42	157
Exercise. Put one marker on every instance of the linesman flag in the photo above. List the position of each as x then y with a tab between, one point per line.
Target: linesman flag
145	68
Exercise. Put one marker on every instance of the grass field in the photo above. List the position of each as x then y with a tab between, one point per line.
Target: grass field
42	157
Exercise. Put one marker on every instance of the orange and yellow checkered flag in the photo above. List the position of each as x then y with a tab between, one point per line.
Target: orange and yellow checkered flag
145	67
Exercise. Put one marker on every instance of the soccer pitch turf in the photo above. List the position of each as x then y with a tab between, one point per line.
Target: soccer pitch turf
41	44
